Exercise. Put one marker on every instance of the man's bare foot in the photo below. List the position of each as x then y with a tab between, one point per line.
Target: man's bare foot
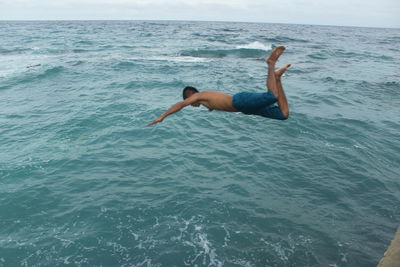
275	54
279	72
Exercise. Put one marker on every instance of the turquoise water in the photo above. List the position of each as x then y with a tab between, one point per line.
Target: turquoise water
84	182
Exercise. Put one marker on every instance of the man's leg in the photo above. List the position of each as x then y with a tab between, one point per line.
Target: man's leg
271	61
282	101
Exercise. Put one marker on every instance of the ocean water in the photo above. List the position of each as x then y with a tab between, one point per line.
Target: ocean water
84	182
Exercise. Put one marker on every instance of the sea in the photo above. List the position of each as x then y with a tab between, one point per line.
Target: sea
85	182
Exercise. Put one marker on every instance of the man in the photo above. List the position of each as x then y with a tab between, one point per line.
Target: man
261	104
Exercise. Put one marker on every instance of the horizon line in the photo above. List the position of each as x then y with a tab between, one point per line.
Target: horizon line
227	21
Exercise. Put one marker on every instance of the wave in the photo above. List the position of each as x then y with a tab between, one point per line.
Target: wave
318	56
127	46
79	50
254	50
135	61
189	59
39	50
150	84
84	42
329	79
389	40
76	62
255	45
284	39
303	70
51	71
15	50
351	54
225	38
341	53
391	87
229	30
30	75
125	65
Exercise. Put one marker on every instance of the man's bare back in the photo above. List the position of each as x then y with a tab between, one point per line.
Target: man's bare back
215	100
261	104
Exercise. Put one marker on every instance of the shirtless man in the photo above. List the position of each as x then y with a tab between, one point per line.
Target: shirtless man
261	104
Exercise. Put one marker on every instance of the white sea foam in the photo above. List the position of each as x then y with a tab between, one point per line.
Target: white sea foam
206	250
227	236
187	59
255	45
145	262
135	236
180	59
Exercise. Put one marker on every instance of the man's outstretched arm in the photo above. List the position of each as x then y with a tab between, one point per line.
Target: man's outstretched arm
175	108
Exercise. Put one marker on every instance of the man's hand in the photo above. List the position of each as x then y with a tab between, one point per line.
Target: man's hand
178	106
159	119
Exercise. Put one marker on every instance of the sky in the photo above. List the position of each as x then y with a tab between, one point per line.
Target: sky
365	13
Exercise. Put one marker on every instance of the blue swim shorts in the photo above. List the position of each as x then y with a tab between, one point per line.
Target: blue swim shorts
261	104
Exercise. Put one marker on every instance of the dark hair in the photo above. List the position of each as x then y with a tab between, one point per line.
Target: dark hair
188	89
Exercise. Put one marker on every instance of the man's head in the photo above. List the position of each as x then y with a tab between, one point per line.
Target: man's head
188	91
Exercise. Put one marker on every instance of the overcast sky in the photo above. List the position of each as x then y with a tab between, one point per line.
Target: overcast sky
377	13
